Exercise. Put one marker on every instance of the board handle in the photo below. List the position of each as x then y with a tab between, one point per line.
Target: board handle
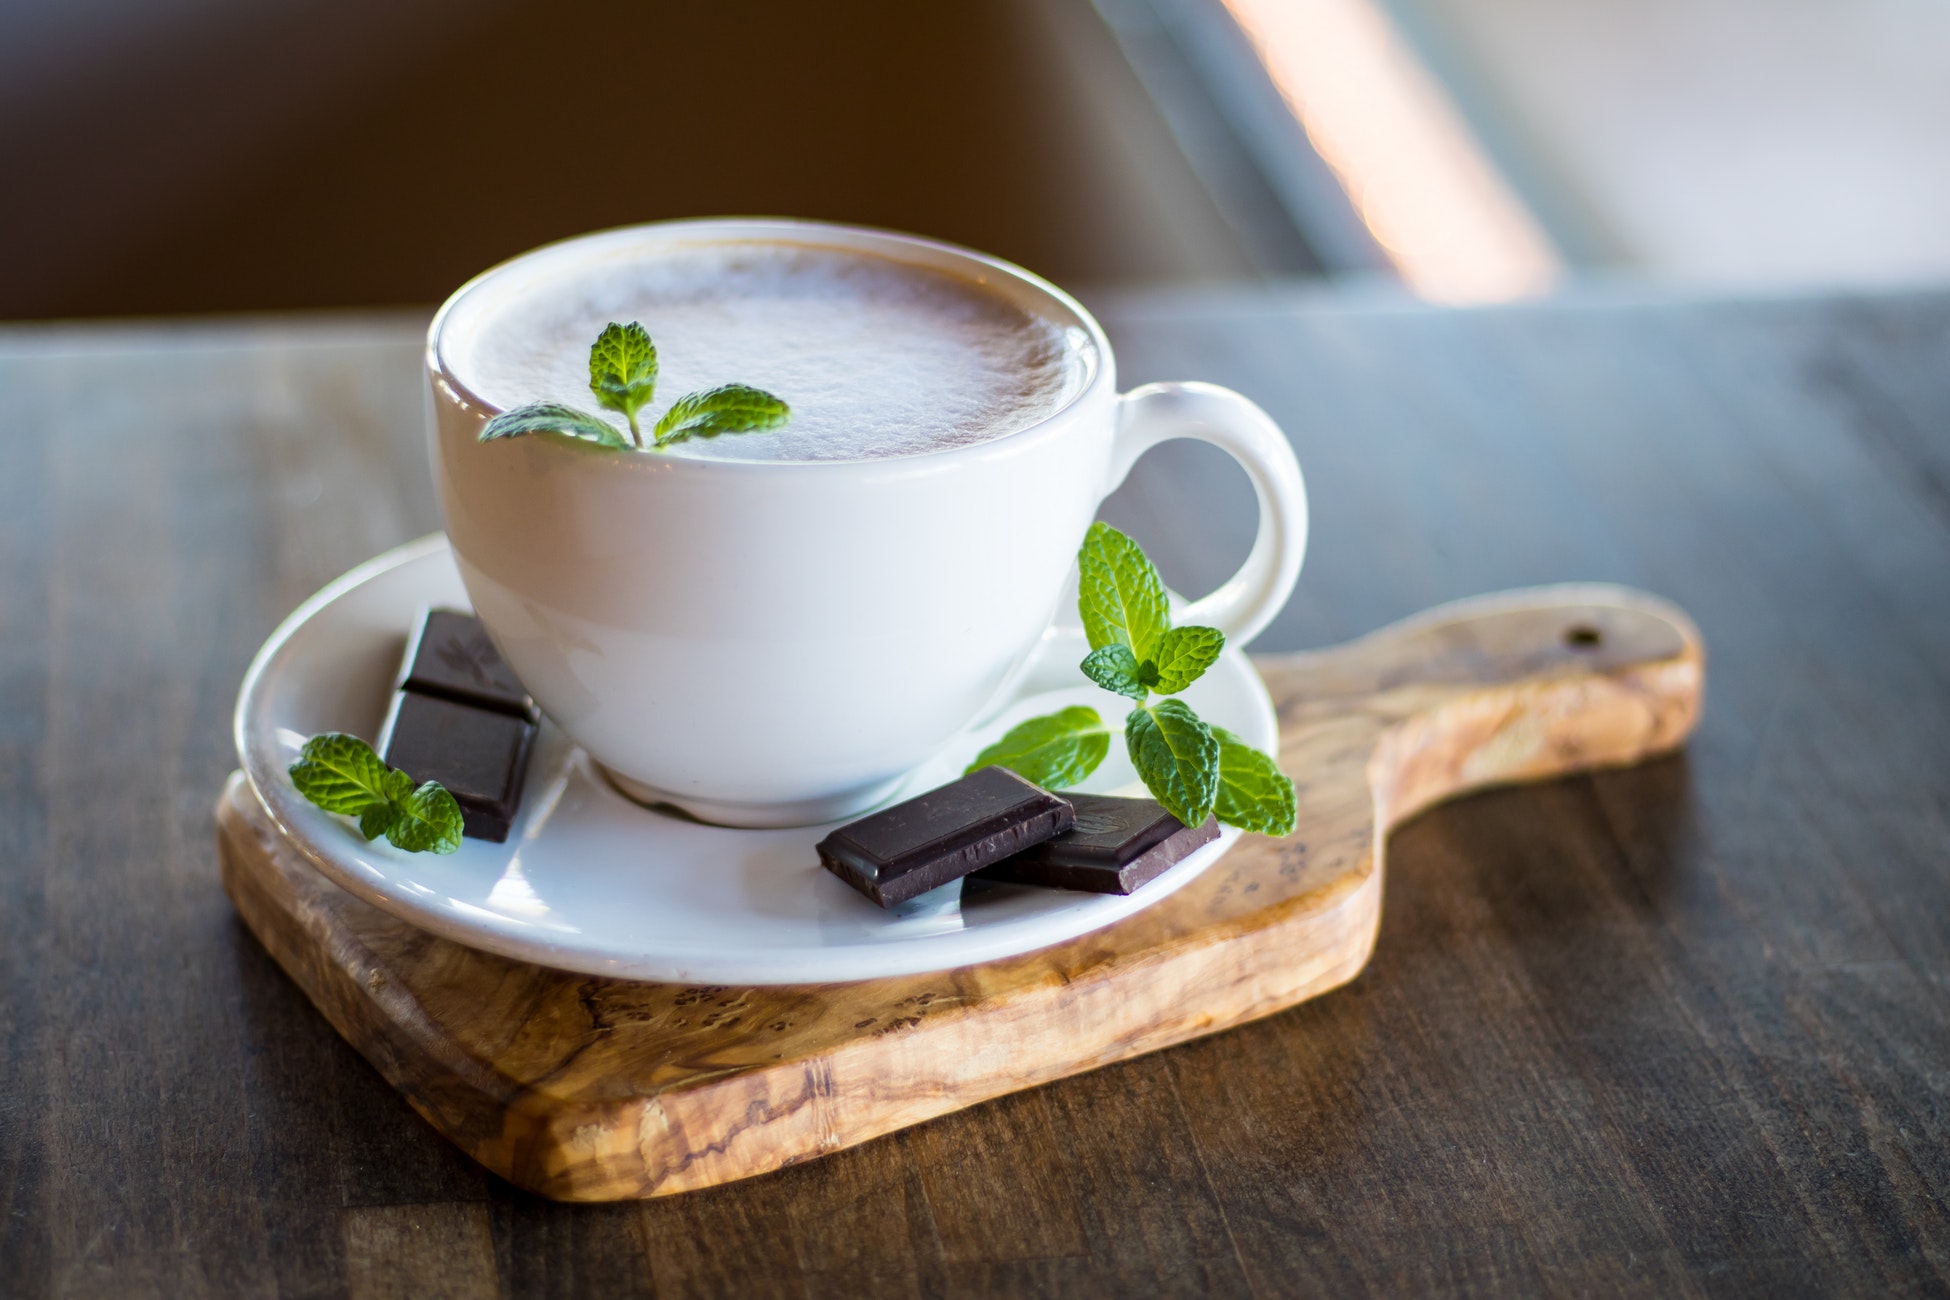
1518	686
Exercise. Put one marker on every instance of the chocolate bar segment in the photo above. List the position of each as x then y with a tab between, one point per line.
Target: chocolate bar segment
480	755
1117	846
942	835
451	656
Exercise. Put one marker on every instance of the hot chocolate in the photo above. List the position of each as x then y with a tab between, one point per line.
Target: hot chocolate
876	357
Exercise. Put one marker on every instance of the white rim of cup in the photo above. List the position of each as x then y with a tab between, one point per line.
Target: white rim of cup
935	254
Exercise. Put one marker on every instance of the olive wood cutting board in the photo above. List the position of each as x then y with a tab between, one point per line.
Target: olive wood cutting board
590	1089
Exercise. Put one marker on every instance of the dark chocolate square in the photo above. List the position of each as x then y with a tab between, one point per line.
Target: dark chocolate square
451	656
942	835
1117	846
480	755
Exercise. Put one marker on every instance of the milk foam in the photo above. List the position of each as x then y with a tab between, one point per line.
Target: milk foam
876	358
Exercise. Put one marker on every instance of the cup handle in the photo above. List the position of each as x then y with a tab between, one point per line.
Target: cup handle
1155	413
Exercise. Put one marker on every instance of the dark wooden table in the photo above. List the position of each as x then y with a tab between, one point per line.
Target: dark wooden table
1683	1029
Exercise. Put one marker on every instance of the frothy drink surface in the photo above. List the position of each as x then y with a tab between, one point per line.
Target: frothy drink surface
876	358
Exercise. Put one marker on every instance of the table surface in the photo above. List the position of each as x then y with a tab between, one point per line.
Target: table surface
1680	1029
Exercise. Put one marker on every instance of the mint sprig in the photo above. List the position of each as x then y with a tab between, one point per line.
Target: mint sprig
1119	593
1116	669
342	774
1183	655
553	417
1055	750
1193	769
1178	757
623	377
729	408
623	371
1254	794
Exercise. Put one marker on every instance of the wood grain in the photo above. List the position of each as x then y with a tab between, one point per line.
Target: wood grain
1681	1028
588	1089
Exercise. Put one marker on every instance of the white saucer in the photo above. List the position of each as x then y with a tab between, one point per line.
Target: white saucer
589	881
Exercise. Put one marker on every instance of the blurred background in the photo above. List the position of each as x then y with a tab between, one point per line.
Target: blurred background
172	156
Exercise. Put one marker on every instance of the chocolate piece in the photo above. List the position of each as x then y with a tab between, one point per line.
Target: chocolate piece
1116	847
451	656
943	835
480	755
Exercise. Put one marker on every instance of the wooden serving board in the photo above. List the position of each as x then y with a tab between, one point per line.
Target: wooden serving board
590	1089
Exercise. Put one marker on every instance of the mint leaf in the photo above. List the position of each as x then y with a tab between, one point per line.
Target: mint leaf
398	784
553	417
426	821
1119	593
623	371
729	408
1177	756
1254	794
1184	653
1055	750
1115	668
340	774
377	820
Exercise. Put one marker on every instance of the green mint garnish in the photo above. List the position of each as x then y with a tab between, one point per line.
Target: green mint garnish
1116	669
553	417
1055	750
1254	794
730	408
426	821
1194	770
623	371
1177	756
1120	595
342	774
623	376
1184	653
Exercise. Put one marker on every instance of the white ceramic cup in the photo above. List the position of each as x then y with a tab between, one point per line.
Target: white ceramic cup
775	643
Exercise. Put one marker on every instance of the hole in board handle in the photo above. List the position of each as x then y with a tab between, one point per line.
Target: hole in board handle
1583	636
